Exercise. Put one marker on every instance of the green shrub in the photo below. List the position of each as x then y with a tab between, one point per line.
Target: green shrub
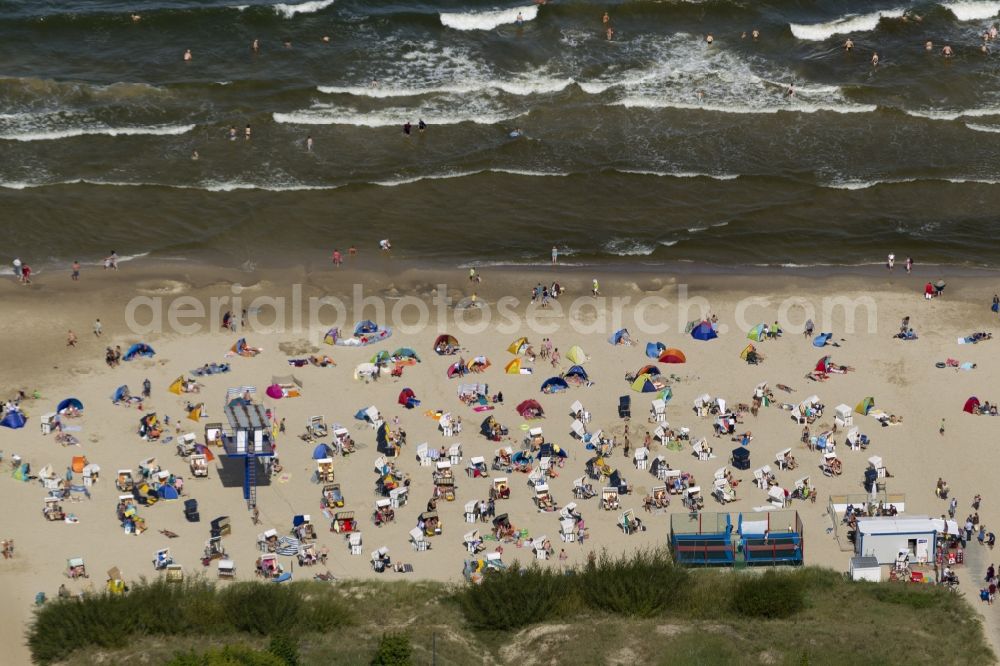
644	584
769	596
515	597
192	608
393	650
261	609
231	655
284	648
911	596
322	613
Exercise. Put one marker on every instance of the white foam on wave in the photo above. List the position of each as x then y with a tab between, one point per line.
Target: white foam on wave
680	174
972	10
209	186
792	107
629	247
818	32
522	86
945	114
465	174
434	111
51	135
289	11
983	128
487	20
532	173
687	75
866	184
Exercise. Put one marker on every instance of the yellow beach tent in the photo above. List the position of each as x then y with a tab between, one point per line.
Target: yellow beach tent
518	346
576	355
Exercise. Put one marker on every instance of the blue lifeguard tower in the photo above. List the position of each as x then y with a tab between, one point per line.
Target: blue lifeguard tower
249	437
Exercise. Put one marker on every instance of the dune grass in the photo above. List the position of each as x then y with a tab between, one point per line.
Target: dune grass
641	610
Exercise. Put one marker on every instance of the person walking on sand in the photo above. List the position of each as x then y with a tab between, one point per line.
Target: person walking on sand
70	338
337	258
75	276
941	429
147	388
595	288
890	262
909	265
17	268
98	328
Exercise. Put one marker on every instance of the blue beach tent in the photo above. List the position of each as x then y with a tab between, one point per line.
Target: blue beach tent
654	349
139	349
821	339
704	331
70	403
554	385
13	420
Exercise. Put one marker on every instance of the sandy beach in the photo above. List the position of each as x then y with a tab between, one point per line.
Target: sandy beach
862	311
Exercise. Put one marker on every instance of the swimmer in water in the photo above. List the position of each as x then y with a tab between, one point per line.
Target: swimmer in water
609	33
791	90
929	45
709	39
246	132
373	84
755	33
947	52
309	143
848	45
188	57
520	18
232	133
993	32
875	60
421	125
255	46
136	18
326	39
605	19
407	128
195	156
